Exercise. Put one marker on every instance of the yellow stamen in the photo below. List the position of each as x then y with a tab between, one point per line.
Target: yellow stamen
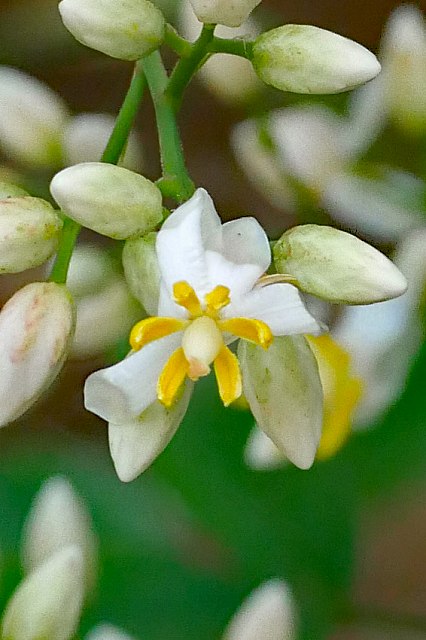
228	376
153	329
217	299
342	392
172	377
249	329
186	297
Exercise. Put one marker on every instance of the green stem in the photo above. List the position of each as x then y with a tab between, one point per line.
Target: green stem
188	66
111	155
175	181
178	44
242	48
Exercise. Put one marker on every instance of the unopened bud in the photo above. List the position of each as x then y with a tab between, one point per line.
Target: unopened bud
128	30
29	233
336	266
231	14
110	200
58	519
47	604
32	118
306	59
9	190
36	328
142	271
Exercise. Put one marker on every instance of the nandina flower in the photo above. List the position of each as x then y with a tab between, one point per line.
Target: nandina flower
211	293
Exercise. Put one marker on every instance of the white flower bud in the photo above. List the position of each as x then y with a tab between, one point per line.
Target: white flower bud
36	328
107	632
47	604
110	200
231	14
142	271
306	59
267	613
9	190
32	118
86	136
58	519
29	233
91	269
124	29
337	266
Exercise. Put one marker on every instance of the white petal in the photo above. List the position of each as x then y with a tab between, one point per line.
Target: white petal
245	242
240	278
283	388
260	452
268	613
280	306
123	391
183	240
134	445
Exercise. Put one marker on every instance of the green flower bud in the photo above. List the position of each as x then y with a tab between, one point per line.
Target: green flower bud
29	233
124	29
110	200
337	266
142	271
231	14
306	59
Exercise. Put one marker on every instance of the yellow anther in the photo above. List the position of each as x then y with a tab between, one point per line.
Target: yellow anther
228	376
153	329
185	296
217	299
249	329
171	378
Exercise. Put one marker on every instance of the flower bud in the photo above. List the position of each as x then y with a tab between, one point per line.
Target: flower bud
268	612
32	118
337	266
306	59
91	269
58	519
110	200
29	233
142	271
231	14
47	604
36	328
86	136
107	632
128	30
9	190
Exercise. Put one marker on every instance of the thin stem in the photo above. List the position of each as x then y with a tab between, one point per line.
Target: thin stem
112	154
188	66
178	44
242	48
175	181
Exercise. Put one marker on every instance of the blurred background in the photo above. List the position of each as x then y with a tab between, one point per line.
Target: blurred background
182	546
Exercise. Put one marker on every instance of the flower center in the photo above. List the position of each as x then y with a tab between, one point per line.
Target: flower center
201	344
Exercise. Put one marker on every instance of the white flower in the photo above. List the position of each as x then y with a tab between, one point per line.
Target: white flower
210	295
230	14
58	519
268	613
47	604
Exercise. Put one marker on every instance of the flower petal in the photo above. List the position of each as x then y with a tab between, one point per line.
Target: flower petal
245	242
123	391
279	306
183	240
135	444
239	278
283	388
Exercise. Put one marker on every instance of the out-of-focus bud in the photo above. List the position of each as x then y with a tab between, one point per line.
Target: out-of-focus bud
36	328
306	59
231	78
231	14
268	612
128	30
337	266
107	632
142	271
110	200
47	604
32	118
91	269
59	519
29	233
86	136
8	190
